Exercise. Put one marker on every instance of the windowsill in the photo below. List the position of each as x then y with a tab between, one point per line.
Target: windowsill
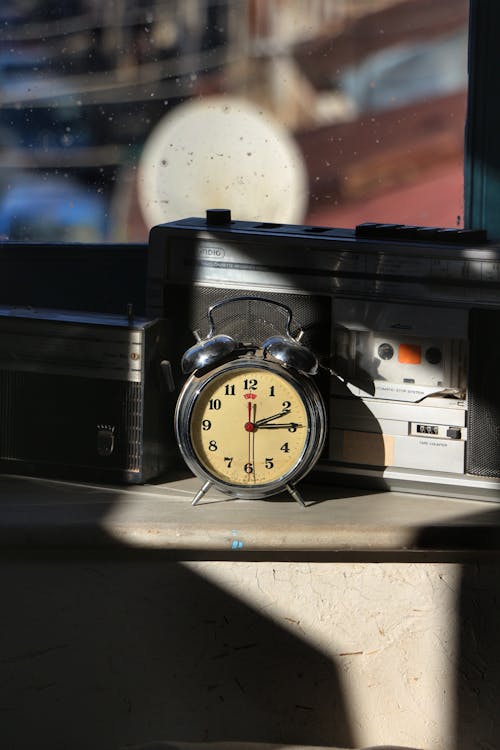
339	524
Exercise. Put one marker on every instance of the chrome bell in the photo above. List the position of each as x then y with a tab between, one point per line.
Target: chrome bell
207	352
291	353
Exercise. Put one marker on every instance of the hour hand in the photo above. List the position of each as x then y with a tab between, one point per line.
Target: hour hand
278	425
265	420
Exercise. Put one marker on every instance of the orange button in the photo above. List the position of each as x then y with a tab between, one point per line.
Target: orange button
409	354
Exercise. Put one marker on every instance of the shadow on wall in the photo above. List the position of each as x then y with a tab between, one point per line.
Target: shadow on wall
105	650
477	668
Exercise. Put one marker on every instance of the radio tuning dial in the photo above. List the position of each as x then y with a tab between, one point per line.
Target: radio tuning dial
218	216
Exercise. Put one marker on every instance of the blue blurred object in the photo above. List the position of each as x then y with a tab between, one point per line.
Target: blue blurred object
52	209
25	81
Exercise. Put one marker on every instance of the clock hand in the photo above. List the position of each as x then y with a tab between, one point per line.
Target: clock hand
268	426
249	425
263	421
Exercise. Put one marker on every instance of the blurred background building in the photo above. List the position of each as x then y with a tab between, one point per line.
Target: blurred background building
371	92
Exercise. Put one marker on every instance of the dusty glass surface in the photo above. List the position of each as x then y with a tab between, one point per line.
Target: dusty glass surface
121	114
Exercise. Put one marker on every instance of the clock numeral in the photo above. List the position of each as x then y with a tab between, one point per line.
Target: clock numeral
285	448
271	391
206	424
250	384
228	460
229	390
286	404
248	468
215	403
212	446
269	463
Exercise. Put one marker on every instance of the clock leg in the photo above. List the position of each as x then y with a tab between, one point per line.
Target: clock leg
296	495
202	491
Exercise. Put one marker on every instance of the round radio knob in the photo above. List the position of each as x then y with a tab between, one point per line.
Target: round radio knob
218	216
433	355
386	351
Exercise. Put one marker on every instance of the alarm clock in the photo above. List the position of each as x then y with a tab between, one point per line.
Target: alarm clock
250	420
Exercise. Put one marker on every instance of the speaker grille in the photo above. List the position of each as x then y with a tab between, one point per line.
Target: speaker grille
483	434
53	419
254	321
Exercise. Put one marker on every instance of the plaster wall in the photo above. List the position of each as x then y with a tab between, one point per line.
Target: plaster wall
106	651
389	631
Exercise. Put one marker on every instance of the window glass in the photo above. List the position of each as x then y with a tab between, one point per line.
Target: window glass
120	114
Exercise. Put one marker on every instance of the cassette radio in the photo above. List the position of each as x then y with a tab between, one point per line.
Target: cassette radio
404	321
84	395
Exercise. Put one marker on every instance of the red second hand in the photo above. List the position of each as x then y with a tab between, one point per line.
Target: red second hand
249	426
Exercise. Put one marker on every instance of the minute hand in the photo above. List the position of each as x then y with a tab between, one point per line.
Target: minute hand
264	420
277	425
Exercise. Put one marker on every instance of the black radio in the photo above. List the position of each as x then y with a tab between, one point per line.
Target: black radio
402	319
84	395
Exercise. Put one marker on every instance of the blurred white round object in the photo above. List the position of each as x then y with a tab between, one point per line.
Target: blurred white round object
221	151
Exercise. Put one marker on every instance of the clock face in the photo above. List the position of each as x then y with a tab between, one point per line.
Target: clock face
249	426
